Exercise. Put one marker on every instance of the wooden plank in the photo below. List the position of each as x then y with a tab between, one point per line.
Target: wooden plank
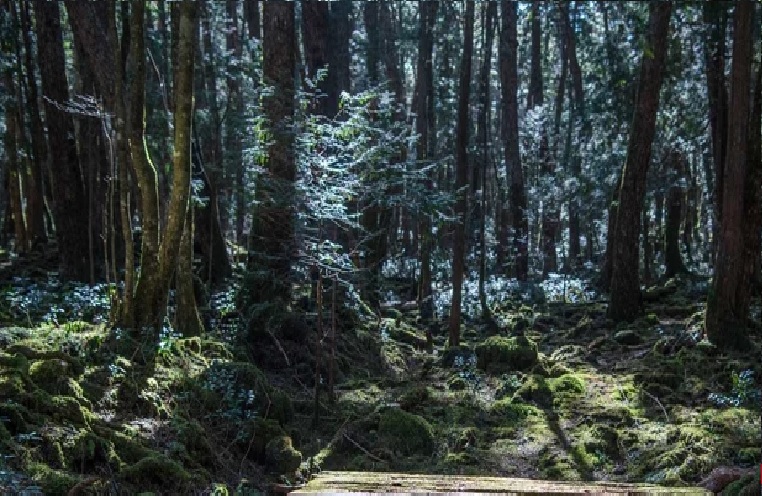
379	483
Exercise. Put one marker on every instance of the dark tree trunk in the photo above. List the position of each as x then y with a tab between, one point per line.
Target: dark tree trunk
625	300
509	88
339	57
461	176
479	177
727	307
35	211
70	200
251	14
715	16
673	260
424	91
752	199
315	34
273	227
235	124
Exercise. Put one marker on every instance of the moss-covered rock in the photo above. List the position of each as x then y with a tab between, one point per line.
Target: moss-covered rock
16	417
415	397
567	383
48	374
281	456
281	407
16	361
86	451
405	432
12	384
509	412
457	383
499	354
52	482
255	434
157	471
628	337
536	390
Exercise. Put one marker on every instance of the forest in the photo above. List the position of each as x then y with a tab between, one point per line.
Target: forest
255	247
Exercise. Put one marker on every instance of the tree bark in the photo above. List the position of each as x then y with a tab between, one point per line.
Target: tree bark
509	89
625	301
461	175
339	56
727	308
673	260
70	200
315	33
273	226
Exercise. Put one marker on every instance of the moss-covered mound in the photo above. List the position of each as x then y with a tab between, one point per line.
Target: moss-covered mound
405	432
498	354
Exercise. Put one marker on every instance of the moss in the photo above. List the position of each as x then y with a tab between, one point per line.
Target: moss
457	383
157	471
281	407
17	417
414	397
499	354
5	435
14	362
128	449
537	390
507	411
406	432
281	456
68	408
255	435
460	459
193	438
52	482
567	383
12	384
468	439
86	450
628	337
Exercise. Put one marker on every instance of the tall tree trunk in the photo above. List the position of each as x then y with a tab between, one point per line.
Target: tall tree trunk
509	88
315	34
625	281
70	200
160	252
461	175
727	307
234	123
424	92
673	260
479	178
35	216
715	16
273	226
339	56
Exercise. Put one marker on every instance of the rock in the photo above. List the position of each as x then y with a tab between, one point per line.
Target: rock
628	337
281	456
721	477
499	354
405	432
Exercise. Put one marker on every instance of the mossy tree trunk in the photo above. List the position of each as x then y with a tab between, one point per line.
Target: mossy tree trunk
625	300
727	308
160	250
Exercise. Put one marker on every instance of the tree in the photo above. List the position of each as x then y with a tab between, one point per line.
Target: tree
273	224
509	82
673	261
70	199
461	175
160	248
728	302
625	302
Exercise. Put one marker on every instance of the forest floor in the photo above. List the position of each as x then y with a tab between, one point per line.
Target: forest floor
547	391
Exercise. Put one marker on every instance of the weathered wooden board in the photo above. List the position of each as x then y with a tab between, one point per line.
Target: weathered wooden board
375	483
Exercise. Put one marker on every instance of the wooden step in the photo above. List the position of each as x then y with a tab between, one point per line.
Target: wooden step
380	483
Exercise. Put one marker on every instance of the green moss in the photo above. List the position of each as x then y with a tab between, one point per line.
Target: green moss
457	383
406	432
255	434
499	354
51	375
128	449
12	384
281	456
507	411
4	434
281	407
415	397
88	450
157	471
52	482
14	362
567	383
537	390
17	417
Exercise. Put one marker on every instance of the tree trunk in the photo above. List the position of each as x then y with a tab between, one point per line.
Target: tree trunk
234	123
187	319
625	300
315	35
673	261
35	217
509	88
728	303
339	56
424	92
715	16
160	252
70	200
461	176
273	226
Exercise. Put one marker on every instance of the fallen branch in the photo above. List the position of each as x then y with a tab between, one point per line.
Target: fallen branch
664	410
367	453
